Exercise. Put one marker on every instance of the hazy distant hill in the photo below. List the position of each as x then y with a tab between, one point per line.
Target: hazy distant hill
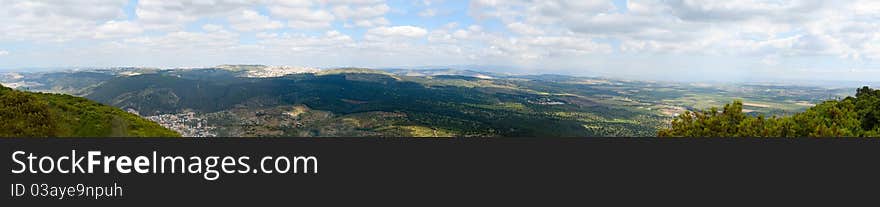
26	114
439	72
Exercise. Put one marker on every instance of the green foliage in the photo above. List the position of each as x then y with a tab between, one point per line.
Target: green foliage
857	116
25	114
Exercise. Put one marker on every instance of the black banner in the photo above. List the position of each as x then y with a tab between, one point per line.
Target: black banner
439	171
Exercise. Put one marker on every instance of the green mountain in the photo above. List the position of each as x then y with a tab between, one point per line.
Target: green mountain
261	101
365	102
27	114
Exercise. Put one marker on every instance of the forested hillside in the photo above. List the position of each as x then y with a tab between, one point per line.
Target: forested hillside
364	102
857	116
264	101
26	114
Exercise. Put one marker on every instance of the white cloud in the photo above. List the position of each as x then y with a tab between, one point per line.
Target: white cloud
55	21
114	29
738	27
395	32
173	15
4	52
216	40
381	21
329	42
320	14
212	28
302	15
362	13
250	20
524	29
354	2
428	13
81	10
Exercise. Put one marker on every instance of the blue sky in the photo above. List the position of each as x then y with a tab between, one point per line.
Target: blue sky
736	40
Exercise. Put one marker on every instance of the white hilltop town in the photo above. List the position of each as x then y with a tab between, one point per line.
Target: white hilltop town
261	71
278	71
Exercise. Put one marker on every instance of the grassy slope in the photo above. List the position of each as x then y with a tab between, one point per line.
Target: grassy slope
79	117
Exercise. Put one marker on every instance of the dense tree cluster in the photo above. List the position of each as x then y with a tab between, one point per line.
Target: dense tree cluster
23	114
857	116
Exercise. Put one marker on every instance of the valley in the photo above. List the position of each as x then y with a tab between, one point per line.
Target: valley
264	101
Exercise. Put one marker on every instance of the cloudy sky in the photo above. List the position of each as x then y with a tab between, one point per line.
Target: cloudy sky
651	39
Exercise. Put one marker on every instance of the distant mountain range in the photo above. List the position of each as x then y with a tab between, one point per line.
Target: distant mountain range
257	100
497	70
